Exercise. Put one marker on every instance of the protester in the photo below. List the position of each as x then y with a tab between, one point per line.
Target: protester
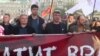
22	26
70	20
56	27
7	26
96	26
80	26
92	25
35	20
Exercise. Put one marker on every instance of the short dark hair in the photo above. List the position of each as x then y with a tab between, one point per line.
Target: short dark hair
70	15
34	6
7	14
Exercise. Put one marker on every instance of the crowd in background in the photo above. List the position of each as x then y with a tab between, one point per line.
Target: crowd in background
35	24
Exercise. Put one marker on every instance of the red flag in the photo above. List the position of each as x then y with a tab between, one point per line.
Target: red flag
47	11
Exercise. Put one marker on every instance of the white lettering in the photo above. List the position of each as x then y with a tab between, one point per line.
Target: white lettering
30	51
39	53
19	51
6	52
89	48
49	49
70	53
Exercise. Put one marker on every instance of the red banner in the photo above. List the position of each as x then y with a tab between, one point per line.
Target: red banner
80	44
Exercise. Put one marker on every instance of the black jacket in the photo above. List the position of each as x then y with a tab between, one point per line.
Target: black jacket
30	30
41	21
97	29
8	29
60	29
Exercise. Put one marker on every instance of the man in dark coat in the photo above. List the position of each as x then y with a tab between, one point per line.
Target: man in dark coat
56	27
22	26
35	20
8	28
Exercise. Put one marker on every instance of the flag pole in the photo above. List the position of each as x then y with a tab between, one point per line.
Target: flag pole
93	9
50	10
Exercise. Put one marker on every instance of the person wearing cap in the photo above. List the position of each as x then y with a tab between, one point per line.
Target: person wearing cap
56	26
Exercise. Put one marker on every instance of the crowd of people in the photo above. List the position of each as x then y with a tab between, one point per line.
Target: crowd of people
36	24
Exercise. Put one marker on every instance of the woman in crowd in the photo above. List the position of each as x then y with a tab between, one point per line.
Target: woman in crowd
80	26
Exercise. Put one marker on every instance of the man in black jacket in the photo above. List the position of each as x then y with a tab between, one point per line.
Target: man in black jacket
35	20
8	28
22	26
56	27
